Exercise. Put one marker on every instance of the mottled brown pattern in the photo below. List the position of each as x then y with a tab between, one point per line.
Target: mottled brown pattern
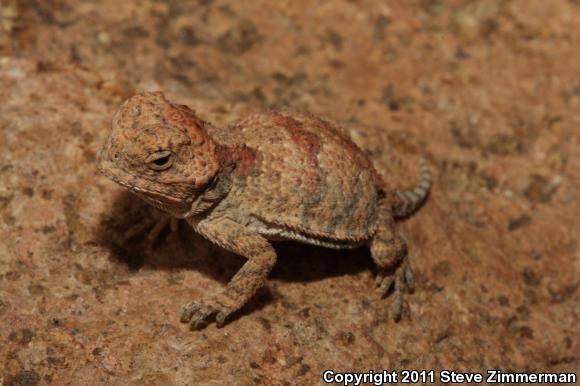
147	124
273	176
307	141
240	159
181	115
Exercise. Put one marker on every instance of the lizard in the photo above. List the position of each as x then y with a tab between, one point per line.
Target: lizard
270	176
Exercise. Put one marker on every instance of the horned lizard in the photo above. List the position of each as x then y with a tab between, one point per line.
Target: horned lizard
270	176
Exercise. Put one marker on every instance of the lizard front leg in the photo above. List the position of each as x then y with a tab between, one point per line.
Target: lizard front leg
242	241
153	229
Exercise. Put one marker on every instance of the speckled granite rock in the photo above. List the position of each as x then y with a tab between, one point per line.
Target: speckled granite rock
488	90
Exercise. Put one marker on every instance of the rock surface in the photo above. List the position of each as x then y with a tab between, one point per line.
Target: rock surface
487	90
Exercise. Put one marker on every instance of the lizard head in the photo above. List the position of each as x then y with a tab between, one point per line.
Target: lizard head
160	151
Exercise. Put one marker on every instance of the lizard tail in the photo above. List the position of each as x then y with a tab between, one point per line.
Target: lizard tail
408	202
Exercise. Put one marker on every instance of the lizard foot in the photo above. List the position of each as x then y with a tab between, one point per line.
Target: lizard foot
153	229
199	312
400	281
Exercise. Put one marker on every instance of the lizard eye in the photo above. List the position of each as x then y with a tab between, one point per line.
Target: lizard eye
161	160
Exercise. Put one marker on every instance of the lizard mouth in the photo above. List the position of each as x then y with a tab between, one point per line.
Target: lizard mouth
129	181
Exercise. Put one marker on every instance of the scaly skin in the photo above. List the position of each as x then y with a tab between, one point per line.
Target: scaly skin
271	176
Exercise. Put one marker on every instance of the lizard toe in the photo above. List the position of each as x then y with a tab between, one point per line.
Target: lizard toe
396	309
188	311
199	313
385	284
398	282
409	278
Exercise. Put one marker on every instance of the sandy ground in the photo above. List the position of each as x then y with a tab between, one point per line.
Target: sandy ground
488	90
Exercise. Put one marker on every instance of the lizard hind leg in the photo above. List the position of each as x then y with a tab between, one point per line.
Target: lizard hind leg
389	252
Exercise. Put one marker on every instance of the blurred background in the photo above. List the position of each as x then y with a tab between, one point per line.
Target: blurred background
488	91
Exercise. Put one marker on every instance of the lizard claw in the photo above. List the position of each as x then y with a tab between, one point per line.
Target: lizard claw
198	313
